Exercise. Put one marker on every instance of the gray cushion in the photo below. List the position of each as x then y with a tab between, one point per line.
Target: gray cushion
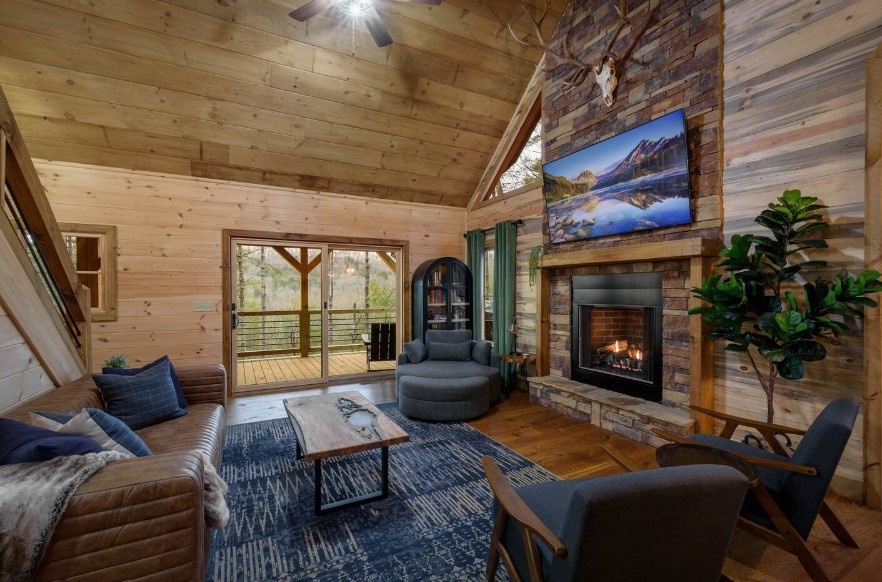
443	389
481	352
448	336
458	352
416	351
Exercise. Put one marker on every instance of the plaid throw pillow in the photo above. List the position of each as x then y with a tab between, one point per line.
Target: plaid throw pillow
140	400
182	400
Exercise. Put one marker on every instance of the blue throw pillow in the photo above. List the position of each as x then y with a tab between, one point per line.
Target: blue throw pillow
459	352
179	390
140	400
23	443
106	430
416	351
481	352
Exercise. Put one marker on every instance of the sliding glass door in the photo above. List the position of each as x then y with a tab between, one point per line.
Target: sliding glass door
304	313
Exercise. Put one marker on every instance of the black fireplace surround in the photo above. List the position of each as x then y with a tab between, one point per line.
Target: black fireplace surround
617	333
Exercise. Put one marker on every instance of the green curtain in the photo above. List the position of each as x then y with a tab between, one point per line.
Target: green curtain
504	292
475	263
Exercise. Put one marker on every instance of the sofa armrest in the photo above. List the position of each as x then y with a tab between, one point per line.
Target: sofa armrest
402	358
203	384
136	518
495	360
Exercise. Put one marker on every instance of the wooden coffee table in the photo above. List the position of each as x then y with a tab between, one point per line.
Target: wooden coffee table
331	425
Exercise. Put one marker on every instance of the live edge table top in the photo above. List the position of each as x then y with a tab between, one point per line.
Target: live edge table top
330	425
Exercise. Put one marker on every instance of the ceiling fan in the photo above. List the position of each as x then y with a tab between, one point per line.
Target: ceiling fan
355	8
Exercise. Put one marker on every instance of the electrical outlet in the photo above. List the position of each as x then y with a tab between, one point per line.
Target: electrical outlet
202	306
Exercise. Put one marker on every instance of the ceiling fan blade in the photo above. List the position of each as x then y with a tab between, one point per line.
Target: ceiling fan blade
377	29
310	9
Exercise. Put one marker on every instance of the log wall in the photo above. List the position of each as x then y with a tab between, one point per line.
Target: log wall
794	86
169	240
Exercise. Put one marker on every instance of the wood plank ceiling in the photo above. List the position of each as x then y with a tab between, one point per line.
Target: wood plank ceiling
237	90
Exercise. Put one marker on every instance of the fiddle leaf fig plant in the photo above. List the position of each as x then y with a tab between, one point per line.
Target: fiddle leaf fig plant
748	306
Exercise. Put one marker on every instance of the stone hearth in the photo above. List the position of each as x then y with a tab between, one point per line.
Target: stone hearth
626	415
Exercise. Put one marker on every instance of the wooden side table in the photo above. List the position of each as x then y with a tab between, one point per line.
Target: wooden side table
520	362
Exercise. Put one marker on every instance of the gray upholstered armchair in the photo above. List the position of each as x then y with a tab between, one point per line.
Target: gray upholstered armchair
665	524
783	508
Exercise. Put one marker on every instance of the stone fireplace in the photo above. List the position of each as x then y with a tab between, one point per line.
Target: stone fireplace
617	333
615	344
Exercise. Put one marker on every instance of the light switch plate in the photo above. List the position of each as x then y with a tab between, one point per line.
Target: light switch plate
202	306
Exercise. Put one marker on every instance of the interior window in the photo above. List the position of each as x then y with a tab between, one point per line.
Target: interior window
92	248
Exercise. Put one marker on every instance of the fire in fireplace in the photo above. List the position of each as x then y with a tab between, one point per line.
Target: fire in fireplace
617	333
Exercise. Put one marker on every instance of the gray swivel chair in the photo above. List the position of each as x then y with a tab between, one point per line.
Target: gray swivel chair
669	524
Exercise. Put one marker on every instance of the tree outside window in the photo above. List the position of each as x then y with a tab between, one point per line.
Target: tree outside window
526	169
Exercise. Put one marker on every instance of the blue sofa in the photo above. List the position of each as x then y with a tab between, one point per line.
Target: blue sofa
450	377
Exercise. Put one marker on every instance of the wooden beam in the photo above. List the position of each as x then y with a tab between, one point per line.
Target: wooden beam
701	351
543	321
386	258
528	111
25	183
303	320
316	260
289	258
873	256
656	251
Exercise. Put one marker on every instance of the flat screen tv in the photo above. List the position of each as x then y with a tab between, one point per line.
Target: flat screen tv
637	180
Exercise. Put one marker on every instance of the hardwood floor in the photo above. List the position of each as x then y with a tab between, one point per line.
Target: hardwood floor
572	449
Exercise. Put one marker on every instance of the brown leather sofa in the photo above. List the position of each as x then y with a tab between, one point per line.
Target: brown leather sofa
140	518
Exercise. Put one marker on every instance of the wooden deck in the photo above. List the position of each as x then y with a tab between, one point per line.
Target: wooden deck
271	370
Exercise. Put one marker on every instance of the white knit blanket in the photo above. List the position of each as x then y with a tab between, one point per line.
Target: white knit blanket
33	496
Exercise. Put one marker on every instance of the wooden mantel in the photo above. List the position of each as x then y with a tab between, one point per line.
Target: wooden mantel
700	252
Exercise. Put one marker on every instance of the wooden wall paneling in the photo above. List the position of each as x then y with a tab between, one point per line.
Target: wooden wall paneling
528	111
794	117
701	370
873	255
24	301
169	238
21	374
177	86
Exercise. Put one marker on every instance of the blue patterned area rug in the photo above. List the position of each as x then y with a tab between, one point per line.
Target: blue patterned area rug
435	524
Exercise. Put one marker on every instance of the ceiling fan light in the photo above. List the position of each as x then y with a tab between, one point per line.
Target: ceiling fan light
355	7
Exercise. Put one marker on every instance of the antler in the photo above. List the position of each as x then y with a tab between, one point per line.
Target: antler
581	68
578	75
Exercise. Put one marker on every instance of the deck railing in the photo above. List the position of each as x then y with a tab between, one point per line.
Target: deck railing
264	333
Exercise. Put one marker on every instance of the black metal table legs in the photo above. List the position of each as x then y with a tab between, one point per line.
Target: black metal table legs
383	493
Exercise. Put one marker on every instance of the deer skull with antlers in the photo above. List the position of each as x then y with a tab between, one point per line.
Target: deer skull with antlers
605	71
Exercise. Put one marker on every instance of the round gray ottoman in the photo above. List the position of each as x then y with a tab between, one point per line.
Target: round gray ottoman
443	398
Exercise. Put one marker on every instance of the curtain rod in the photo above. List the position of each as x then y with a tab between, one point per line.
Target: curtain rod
517	222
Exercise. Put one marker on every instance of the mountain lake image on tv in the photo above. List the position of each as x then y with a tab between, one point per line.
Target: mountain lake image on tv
637	180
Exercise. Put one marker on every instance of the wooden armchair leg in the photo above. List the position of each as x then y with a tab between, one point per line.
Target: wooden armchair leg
808	558
836	526
493	554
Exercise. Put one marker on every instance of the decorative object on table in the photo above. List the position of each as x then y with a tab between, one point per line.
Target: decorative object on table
442	296
533	264
751	309
636	180
573	530
513	330
783	507
433	526
605	70
117	361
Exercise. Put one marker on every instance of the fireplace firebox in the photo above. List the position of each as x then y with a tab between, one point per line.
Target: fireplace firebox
617	333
